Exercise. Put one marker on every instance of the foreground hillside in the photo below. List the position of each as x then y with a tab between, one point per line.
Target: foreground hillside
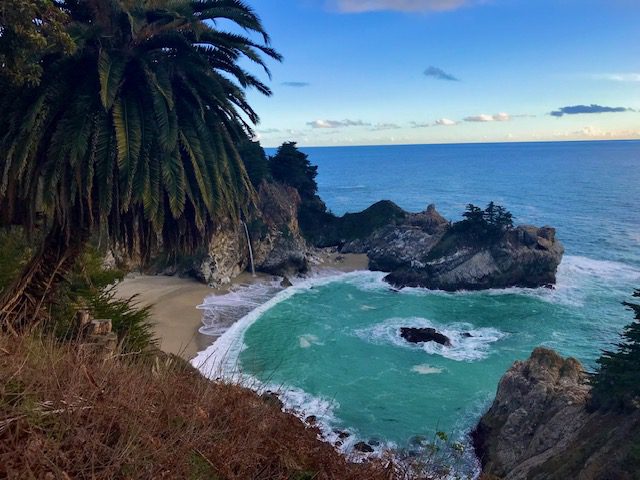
64	414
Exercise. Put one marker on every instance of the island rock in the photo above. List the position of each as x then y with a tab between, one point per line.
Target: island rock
425	250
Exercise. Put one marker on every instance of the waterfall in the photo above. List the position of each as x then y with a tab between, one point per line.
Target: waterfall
246	231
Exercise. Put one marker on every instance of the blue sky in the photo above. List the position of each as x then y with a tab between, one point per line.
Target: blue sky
360	72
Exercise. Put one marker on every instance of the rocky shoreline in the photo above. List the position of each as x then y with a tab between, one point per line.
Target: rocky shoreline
416	249
541	426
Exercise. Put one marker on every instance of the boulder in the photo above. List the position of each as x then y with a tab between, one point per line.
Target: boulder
363	447
420	335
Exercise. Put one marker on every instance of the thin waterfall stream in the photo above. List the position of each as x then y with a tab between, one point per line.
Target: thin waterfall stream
246	231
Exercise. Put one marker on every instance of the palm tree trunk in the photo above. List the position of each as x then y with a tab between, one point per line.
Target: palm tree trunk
24	304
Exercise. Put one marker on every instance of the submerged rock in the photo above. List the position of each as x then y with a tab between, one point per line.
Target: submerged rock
363	447
539	426
420	335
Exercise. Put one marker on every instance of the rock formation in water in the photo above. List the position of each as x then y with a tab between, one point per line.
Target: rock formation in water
425	250
540	427
422	335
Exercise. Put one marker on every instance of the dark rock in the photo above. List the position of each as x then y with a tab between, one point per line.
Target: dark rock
286	283
467	335
363	447
419	335
342	435
273	399
311	419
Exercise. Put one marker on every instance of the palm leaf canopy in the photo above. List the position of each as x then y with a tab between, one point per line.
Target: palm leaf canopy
133	134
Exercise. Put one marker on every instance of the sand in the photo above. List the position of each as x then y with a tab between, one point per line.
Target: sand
174	300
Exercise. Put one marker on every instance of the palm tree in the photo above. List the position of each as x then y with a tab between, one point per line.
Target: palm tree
133	135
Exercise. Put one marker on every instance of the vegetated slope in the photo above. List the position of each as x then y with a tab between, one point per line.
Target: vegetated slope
64	414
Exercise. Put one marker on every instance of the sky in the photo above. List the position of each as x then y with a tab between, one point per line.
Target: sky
375	72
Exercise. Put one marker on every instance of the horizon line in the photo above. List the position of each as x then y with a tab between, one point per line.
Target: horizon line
505	142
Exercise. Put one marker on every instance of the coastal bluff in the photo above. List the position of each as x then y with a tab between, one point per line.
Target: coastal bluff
426	250
540	426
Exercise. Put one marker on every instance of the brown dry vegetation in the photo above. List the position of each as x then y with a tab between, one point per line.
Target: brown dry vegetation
66	415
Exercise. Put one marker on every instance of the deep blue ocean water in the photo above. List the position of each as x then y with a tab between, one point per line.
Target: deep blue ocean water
331	345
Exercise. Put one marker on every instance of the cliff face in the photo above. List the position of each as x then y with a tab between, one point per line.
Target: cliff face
278	246
539	427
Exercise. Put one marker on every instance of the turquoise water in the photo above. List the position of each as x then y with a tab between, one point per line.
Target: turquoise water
332	344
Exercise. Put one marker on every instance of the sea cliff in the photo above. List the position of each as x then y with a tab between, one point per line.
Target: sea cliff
540	426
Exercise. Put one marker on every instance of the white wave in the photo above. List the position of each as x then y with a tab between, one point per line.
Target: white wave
576	276
426	369
463	347
600	269
367	307
306	341
220	358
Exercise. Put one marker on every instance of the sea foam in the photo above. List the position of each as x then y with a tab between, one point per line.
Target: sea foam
463	347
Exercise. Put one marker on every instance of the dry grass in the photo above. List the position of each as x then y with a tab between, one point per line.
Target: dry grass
65	415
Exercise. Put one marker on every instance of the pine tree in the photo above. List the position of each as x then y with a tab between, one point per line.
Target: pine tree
616	384
474	215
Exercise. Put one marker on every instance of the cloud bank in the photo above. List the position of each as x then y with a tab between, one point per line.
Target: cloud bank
586	109
445	122
360	6
439	74
337	123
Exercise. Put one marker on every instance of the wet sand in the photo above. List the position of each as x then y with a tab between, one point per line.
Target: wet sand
174	314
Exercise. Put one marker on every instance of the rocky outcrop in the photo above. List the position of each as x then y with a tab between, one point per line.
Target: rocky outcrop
350	231
426	250
421	335
522	257
540	427
278	246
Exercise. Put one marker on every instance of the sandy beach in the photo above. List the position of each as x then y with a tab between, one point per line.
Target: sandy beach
174	300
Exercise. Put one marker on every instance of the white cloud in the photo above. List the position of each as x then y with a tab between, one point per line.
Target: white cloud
498	117
337	123
359	6
445	122
595	132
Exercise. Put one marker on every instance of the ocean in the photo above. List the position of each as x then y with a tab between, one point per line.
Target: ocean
330	344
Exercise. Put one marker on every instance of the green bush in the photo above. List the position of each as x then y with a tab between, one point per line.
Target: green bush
14	254
90	285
